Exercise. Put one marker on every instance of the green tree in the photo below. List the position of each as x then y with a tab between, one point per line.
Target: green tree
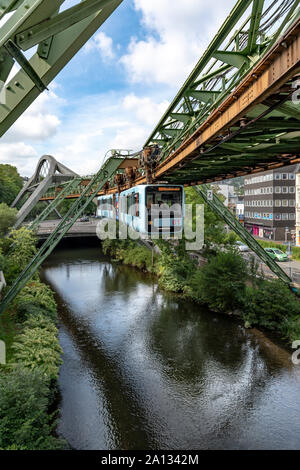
272	305
22	251
213	225
221	283
39	348
10	183
24	419
8	217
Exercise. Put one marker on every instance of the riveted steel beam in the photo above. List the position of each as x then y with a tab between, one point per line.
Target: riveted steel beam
53	52
51	26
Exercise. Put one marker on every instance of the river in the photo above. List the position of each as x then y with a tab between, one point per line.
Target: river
147	370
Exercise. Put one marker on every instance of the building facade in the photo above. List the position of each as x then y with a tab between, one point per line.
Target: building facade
270	204
298	209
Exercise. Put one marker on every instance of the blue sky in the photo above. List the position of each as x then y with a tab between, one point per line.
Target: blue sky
115	90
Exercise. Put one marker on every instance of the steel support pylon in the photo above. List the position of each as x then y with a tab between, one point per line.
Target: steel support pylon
217	206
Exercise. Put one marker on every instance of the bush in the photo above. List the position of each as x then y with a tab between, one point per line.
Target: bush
129	252
24	419
8	217
221	283
266	244
39	348
34	299
273	306
22	251
175	267
296	253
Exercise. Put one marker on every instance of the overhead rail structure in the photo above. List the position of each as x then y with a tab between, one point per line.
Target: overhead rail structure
54	34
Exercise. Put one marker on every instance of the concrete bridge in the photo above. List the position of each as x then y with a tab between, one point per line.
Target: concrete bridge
78	230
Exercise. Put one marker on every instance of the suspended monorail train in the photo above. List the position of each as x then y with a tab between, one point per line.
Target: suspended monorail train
147	208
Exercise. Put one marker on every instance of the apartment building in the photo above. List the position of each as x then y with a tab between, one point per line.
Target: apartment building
298	209
270	204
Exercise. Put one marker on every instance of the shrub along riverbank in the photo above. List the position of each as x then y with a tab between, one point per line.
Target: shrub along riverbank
225	284
28	382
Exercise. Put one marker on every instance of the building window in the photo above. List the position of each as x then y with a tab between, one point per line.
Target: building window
285	189
277	176
292	203
285	203
292	189
292	216
284	176
277	216
277	189
285	216
277	203
292	176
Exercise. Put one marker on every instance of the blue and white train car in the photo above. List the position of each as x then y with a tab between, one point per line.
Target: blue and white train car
147	209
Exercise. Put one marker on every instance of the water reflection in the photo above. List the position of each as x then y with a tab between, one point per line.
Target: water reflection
143	369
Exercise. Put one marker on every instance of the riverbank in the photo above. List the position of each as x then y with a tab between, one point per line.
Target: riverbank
225	284
29	380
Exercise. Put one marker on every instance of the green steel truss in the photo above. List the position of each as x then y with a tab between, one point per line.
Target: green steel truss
58	36
75	211
69	188
218	207
248	33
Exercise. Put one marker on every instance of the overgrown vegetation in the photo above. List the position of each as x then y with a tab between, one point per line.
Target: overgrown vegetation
25	423
10	184
296	253
28	383
8	218
266	244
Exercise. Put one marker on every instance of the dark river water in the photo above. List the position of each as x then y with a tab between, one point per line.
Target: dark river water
146	370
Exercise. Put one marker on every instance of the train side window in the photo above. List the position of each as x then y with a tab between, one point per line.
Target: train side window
137	205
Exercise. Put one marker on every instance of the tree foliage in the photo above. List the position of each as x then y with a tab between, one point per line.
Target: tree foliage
221	282
214	227
39	348
10	184
8	217
272	305
24	420
23	249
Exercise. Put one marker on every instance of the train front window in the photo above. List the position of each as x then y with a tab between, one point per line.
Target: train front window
164	196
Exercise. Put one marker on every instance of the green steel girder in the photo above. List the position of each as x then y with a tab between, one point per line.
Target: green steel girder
69	188
75	211
217	206
228	59
59	36
58	23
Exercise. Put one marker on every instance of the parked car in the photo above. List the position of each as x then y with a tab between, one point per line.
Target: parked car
241	247
84	219
277	254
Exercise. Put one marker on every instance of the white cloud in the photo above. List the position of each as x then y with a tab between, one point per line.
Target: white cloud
145	109
102	43
177	34
39	123
122	123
